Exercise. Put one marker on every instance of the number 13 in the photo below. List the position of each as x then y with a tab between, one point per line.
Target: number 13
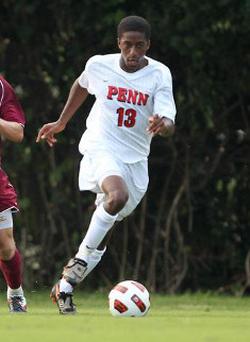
129	120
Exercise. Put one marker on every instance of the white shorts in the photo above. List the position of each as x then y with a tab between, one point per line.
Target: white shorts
96	167
6	219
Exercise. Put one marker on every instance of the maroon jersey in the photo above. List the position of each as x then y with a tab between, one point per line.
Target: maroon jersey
10	110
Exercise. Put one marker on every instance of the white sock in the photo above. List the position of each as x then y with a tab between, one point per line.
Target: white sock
65	286
94	259
14	292
100	224
84	252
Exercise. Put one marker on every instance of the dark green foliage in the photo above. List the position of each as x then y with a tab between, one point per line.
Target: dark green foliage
192	229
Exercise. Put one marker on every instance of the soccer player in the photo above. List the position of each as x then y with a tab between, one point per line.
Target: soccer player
134	102
11	128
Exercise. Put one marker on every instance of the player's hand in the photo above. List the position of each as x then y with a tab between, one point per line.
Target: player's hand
160	125
48	131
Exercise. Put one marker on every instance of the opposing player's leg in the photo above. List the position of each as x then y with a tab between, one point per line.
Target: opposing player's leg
88	256
10	264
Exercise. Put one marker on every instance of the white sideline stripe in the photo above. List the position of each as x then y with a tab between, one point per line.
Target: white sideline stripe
1	100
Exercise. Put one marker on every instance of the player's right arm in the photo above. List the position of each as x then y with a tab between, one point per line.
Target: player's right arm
77	96
12	118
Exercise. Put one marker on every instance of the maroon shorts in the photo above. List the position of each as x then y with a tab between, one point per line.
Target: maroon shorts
8	197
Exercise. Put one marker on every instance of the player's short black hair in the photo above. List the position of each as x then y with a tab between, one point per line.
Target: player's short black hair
134	23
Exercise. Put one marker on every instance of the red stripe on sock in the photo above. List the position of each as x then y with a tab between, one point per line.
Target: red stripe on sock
12	270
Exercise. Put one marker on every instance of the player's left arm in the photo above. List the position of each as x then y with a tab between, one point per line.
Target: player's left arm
161	125
162	122
11	130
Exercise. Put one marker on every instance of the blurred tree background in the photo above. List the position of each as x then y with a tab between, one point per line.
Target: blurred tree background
191	231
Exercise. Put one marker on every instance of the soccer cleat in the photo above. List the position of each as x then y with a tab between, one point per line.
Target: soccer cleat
17	304
63	300
74	271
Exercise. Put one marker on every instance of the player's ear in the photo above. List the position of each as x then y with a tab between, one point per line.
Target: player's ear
149	43
118	42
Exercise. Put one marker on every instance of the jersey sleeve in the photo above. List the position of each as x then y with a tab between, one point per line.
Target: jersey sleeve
83	79
10	107
86	76
164	104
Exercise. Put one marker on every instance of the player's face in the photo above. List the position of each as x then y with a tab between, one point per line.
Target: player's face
133	46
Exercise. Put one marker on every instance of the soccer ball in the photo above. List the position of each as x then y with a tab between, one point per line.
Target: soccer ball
129	298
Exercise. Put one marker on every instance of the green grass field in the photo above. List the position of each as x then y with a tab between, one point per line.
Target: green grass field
189	318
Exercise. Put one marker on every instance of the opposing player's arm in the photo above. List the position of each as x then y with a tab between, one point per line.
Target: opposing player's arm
12	131
77	96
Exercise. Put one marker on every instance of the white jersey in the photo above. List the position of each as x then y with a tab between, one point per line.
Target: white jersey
118	120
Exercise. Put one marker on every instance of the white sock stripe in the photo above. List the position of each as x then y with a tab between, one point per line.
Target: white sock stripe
14	292
99	252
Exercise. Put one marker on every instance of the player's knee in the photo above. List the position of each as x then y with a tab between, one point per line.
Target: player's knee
7	252
117	200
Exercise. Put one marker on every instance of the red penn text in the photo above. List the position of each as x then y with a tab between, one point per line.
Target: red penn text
127	95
